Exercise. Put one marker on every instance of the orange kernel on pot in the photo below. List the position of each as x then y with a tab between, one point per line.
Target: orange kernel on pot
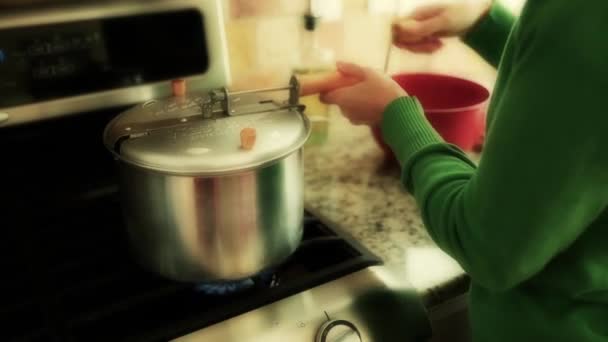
179	87
248	135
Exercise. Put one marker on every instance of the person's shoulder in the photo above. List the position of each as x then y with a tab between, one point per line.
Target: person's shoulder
565	29
566	17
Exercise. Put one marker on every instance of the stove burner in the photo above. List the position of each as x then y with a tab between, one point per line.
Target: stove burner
106	297
266	279
225	287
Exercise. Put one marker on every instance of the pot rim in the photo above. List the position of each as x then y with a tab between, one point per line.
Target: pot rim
227	172
231	172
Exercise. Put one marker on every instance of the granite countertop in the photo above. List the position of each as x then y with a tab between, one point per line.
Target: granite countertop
349	184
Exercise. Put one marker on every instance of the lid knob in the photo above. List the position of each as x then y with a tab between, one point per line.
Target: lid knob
179	87
248	135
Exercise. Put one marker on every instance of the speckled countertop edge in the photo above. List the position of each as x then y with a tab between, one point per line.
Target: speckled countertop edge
349	183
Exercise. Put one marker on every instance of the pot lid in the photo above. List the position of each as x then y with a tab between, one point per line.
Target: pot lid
209	133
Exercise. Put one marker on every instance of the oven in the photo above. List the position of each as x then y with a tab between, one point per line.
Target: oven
68	274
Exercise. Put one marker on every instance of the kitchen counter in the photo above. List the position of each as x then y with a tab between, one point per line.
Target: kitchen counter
349	184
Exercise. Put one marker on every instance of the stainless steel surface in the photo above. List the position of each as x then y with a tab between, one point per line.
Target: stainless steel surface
198	206
216	76
377	300
173	135
225	227
255	91
338	331
248	101
190	227
212	147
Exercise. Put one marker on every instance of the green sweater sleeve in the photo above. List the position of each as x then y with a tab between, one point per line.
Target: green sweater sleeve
542	179
490	34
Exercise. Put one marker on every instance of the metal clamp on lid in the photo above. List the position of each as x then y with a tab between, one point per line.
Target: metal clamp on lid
184	109
191	133
251	102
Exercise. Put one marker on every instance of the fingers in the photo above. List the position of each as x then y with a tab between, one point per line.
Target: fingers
413	30
353	116
427	12
427	46
310	85
355	121
340	98
351	70
419	33
334	97
410	31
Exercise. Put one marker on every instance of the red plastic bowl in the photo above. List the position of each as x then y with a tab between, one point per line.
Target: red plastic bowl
454	106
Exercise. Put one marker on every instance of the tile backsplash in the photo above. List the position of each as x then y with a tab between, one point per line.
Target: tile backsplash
264	42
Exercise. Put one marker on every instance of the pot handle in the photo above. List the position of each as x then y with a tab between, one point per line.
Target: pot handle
239	103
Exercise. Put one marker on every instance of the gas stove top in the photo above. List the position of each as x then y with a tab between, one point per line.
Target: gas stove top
73	278
68	274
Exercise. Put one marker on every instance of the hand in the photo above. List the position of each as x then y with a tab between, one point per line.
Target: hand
315	84
421	31
364	102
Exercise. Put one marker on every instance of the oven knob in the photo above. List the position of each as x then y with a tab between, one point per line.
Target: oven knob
3	117
179	87
338	331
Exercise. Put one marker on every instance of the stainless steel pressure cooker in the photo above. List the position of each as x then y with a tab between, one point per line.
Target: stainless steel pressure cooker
199	205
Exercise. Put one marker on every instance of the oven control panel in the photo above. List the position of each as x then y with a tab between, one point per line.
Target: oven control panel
375	304
59	61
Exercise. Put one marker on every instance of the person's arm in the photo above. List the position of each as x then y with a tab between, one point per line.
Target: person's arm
489	36
542	179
